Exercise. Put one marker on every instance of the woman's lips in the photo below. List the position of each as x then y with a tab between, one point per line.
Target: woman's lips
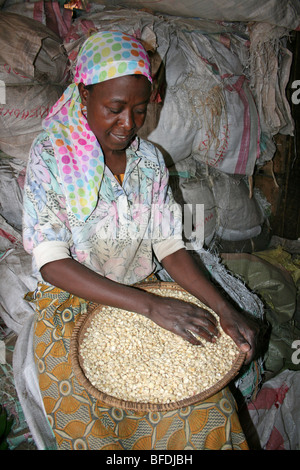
123	138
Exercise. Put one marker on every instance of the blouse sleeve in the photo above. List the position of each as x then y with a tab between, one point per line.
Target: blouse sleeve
46	234
167	216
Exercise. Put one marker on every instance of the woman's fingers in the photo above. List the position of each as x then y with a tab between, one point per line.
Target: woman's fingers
188	320
197	334
244	331
203	325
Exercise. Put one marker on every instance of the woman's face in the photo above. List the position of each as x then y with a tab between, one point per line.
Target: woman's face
116	110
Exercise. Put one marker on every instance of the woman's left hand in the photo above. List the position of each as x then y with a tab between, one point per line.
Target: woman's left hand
243	330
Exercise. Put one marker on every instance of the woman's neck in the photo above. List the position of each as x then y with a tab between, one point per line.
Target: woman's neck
116	162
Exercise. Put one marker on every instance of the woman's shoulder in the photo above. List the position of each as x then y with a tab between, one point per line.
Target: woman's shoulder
42	142
42	153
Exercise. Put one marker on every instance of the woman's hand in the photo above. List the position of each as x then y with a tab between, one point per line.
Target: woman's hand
243	330
183	319
187	320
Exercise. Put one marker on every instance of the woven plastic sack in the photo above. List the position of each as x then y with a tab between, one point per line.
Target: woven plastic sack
15	278
276	288
275	413
48	13
33	71
230	130
190	185
214	116
249	380
22	115
239	216
11	191
281	12
194	192
269	65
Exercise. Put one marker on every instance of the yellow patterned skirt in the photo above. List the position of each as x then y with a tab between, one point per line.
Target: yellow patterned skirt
79	421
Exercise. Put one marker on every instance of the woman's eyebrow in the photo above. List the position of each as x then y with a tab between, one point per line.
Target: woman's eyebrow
121	101
117	100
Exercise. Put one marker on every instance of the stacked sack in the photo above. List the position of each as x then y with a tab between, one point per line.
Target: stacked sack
233	214
202	113
278	12
224	92
33	75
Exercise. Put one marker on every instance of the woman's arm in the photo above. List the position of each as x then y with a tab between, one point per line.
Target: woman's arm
172	314
184	270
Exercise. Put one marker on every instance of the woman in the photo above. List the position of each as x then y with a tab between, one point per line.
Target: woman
94	196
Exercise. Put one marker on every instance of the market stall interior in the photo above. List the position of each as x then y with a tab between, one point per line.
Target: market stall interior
224	112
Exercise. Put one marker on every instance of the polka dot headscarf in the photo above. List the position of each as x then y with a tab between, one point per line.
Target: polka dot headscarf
103	56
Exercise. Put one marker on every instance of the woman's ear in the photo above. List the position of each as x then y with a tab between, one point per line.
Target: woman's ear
83	93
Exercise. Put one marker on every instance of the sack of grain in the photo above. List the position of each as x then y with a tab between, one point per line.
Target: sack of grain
51	14
213	111
16	278
12	173
190	186
279	12
33	76
239	216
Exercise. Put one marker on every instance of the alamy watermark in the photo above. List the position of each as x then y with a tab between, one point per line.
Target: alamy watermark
156	223
296	94
296	354
2	92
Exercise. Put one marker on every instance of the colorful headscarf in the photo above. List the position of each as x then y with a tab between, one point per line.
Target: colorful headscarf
103	56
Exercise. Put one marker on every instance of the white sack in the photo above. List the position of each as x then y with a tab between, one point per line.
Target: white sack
16	278
190	185
276	414
33	74
229	211
27	387
239	217
35	52
269	72
11	191
197	191
280	12
208	109
22	115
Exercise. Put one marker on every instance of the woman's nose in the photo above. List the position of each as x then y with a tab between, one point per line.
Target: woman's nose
127	120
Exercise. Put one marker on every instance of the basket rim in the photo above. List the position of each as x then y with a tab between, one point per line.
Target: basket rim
77	365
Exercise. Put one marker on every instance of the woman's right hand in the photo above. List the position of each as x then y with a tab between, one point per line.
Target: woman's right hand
183	319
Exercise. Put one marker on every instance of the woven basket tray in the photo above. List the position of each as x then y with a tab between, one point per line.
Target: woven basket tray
77	364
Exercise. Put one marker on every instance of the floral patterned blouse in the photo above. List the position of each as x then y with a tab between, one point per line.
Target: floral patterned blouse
132	224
